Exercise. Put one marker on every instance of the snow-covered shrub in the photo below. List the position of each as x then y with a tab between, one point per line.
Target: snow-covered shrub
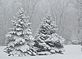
46	39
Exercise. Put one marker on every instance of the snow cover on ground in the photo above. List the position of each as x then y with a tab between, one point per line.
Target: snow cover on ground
71	52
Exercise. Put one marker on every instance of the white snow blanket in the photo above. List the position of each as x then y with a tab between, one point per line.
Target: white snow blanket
71	52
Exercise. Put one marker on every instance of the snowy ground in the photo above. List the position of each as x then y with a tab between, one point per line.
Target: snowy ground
71	52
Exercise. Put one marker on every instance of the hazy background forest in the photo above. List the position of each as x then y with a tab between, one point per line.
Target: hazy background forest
67	14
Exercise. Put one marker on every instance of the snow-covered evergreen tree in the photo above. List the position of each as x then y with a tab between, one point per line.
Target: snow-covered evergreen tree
20	40
47	41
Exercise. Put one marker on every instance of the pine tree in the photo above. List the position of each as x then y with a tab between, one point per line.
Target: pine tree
20	40
47	41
